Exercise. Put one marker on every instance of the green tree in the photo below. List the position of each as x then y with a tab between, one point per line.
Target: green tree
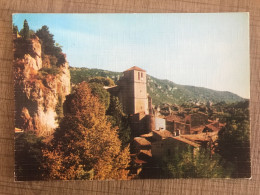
102	94
234	139
102	80
28	157
49	47
85	146
15	29
187	164
234	147
25	32
119	120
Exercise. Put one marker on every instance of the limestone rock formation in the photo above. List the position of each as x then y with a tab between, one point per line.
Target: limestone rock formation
37	93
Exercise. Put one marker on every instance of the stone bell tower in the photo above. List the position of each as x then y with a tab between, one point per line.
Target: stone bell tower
133	91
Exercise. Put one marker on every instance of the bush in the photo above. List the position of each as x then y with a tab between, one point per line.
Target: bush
28	157
102	80
45	71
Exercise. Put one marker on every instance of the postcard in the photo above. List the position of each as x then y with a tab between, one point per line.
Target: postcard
131	96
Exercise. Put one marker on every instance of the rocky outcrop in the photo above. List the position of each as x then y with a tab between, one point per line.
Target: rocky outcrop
37	93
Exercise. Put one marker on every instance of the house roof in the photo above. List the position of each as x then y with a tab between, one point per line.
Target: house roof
182	139
198	128
212	127
17	130
138	161
147	135
163	133
135	68
174	118
146	152
142	141
200	136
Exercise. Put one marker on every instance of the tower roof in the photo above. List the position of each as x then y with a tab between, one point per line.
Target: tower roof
135	68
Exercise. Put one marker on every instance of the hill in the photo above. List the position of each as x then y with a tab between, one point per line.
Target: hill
162	91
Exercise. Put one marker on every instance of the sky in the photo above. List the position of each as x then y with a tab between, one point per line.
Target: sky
204	50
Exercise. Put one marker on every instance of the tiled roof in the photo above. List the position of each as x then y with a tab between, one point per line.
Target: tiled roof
212	127
142	141
182	139
174	118
198	128
147	135
163	133
147	152
202	136
138	161
17	130
135	68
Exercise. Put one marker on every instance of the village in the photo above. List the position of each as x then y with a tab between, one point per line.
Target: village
157	135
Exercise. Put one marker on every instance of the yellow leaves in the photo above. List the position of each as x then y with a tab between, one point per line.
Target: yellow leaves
85	146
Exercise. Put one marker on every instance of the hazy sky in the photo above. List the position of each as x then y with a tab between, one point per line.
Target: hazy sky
206	50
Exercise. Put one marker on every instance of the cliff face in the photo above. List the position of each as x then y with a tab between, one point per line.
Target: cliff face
38	95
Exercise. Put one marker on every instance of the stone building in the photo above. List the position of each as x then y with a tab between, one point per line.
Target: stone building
131	90
166	145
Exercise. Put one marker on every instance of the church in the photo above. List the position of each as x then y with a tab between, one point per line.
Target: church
132	93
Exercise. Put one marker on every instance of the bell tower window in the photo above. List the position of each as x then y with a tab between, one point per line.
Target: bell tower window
138	75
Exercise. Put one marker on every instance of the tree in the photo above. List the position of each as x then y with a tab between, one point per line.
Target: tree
118	119
233	142
102	80
49	47
15	29
187	164
234	146
47	40
25	32
28	157
85	146
102	94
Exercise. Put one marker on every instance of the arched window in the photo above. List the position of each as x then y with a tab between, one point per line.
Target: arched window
138	75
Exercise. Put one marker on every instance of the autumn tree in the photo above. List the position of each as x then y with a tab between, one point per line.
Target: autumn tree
85	146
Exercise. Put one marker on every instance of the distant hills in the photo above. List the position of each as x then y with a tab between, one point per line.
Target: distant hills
162	91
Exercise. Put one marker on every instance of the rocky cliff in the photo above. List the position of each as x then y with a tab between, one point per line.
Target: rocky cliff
39	91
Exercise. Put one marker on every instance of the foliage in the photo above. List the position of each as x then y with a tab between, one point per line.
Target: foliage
28	156
48	45
162	91
102	94
84	74
118	119
234	140
85	146
15	29
25	32
102	80
187	164
53	70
